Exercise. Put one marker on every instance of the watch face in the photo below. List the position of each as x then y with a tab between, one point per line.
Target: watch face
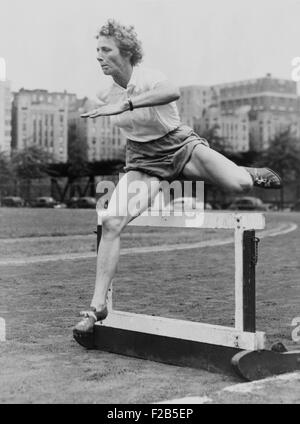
130	104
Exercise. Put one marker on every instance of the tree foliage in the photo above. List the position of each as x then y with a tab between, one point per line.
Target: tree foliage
283	155
216	142
30	162
5	168
77	154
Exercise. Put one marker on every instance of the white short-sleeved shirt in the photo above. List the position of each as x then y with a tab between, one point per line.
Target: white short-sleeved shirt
142	124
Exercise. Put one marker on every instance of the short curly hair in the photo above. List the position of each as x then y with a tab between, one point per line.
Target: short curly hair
126	39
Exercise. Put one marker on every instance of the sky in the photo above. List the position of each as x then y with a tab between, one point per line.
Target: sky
50	44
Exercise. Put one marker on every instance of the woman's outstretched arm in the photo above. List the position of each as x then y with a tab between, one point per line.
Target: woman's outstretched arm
163	93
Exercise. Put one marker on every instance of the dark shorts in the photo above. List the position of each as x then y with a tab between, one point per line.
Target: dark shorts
165	157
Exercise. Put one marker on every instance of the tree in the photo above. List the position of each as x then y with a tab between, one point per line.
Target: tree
6	173
77	166
216	142
5	169
30	163
77	154
283	155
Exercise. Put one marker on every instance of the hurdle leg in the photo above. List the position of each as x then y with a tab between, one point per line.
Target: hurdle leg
255	364
245	262
249	287
239	295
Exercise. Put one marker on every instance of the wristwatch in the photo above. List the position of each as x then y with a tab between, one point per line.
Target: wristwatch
130	104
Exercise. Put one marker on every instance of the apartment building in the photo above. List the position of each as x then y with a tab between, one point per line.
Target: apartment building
104	141
193	102
40	118
273	102
5	116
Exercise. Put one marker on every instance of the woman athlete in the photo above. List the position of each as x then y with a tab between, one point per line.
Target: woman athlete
142	102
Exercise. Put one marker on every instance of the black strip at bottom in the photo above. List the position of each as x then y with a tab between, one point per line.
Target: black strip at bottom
168	350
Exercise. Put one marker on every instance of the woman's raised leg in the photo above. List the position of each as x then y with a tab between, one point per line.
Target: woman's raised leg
213	167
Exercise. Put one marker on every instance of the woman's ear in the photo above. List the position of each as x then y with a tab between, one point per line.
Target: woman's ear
127	54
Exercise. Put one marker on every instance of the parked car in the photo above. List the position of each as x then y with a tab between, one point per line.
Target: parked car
44	202
82	203
72	203
181	204
248	204
13	201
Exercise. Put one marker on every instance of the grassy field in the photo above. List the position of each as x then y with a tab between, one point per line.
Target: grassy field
41	363
28	222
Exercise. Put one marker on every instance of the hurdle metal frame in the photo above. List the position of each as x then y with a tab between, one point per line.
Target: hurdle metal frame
240	349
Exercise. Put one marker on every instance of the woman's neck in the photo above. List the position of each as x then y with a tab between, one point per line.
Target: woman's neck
123	77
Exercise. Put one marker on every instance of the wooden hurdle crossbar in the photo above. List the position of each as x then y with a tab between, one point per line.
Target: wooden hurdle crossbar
196	344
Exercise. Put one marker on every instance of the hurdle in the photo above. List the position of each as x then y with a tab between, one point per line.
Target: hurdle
239	350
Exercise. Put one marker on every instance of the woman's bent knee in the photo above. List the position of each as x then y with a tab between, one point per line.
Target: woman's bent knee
112	225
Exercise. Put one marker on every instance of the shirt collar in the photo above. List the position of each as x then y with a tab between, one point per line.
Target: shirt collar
133	79
132	82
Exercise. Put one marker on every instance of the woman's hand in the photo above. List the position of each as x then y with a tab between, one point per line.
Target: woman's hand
107	110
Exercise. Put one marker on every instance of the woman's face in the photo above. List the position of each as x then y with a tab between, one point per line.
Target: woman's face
109	56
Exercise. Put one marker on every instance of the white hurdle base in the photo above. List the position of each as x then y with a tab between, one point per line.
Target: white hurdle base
185	330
